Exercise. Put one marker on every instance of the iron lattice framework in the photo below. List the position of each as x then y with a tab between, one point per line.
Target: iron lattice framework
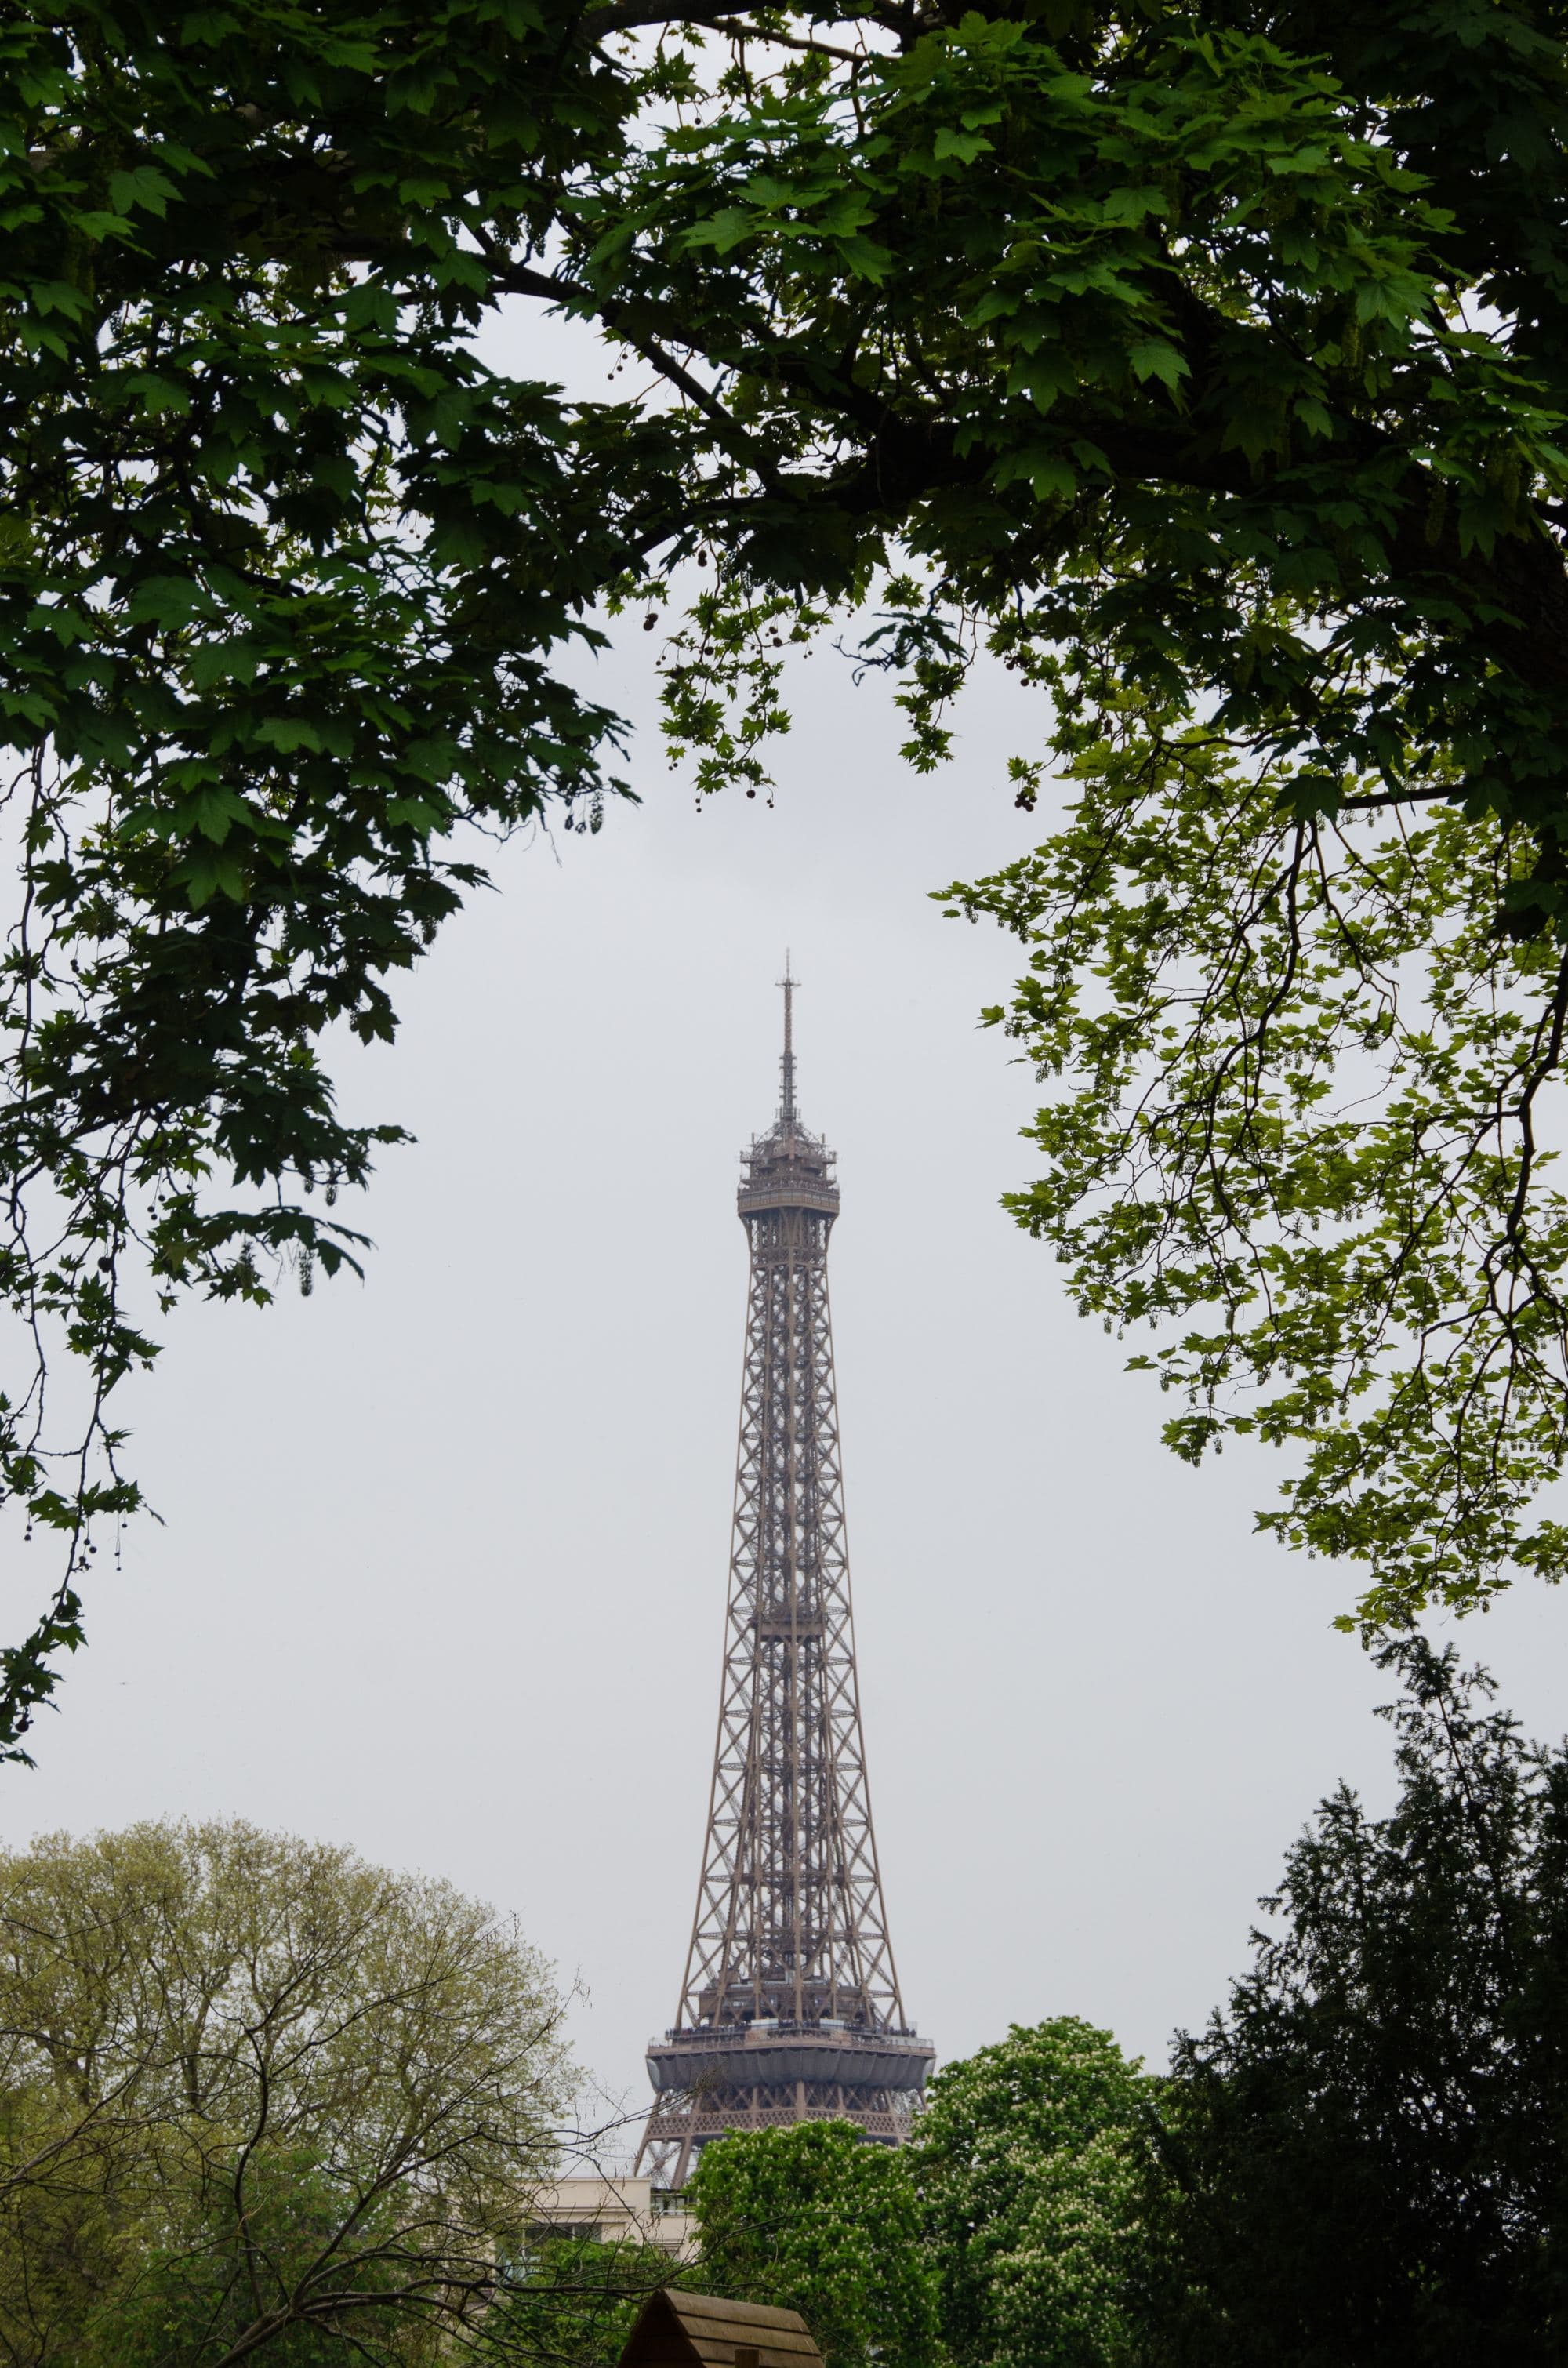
790	2011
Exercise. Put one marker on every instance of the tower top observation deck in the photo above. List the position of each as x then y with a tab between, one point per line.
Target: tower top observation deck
788	1168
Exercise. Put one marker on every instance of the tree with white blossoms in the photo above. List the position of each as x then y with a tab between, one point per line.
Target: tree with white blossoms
1031	2158
810	2218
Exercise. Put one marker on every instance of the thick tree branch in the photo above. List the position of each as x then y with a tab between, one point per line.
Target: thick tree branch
631	16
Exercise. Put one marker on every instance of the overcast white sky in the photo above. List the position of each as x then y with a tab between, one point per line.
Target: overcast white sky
444	1557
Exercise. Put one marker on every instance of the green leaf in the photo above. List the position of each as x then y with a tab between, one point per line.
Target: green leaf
209	872
1156	358
211	662
724	230
965	146
288	734
168	601
141	189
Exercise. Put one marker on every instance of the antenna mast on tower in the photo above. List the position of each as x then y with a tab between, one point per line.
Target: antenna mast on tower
787	1066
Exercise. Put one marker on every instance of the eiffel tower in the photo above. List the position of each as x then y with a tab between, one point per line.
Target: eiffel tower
790	2011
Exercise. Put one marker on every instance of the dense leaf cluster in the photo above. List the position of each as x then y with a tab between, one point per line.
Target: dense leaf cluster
1033	2160
1305	1135
810	2218
1205	361
1368	2144
269	627
1009	2232
1362	2162
259	2098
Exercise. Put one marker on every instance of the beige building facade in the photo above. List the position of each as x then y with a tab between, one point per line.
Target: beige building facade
616	2212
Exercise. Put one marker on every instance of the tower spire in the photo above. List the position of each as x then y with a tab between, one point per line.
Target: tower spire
790	2009
786	1067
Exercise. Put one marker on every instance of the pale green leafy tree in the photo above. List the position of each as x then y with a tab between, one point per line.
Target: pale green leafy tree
259	2098
1300	1135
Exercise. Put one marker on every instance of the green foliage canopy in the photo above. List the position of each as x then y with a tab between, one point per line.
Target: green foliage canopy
1206	362
1033	2157
1368	2144
280	576
812	2218
570	2302
259	2098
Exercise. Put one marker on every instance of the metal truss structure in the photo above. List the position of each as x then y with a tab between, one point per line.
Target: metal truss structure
790	2011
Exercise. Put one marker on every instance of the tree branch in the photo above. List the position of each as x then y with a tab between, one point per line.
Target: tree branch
627	16
519	279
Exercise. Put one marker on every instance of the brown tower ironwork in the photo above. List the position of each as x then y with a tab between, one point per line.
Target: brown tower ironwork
790	2011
